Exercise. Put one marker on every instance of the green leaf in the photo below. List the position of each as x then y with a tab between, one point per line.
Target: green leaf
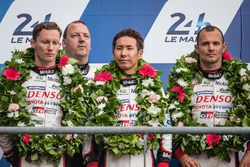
246	121
73	61
34	157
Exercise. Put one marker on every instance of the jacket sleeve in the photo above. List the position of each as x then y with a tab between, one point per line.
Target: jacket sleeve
164	153
178	153
248	145
91	151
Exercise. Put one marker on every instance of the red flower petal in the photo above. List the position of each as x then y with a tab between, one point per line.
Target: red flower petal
63	61
104	76
147	71
226	56
213	139
26	139
180	91
11	74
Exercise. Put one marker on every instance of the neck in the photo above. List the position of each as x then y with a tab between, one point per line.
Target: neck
81	59
45	65
129	72
210	67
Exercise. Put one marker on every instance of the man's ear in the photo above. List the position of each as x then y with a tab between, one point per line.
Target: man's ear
63	43
224	47
140	53
196	48
33	43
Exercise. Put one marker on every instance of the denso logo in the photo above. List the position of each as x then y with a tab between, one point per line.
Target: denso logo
44	94
216	98
129	107
180	34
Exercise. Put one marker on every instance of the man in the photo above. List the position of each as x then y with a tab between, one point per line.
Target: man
77	44
208	73
33	81
126	98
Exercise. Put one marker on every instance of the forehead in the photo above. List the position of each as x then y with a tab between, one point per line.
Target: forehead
78	27
210	35
49	34
126	41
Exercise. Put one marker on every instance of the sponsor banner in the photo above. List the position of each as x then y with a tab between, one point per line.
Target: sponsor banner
168	26
174	30
21	17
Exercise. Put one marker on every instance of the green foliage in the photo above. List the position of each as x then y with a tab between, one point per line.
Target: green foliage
74	108
104	111
238	77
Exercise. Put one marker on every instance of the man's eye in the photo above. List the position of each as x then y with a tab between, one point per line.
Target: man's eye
55	43
216	43
204	44
74	35
45	42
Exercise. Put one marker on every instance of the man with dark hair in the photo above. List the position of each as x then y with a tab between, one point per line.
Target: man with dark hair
128	92
202	92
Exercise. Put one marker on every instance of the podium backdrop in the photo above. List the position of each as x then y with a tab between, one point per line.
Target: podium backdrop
168	26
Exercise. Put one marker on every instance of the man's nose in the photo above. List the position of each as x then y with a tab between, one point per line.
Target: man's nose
81	38
211	47
51	46
123	52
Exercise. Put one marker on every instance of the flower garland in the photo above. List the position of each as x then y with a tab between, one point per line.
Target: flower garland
13	104
105	105
179	97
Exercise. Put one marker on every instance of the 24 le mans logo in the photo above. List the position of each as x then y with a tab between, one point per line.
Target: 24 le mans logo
176	33
22	36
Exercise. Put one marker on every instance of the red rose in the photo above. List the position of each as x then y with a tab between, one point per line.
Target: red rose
180	91
147	71
26	139
226	56
213	139
63	61
11	74
104	76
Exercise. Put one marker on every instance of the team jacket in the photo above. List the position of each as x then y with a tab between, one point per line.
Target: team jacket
91	152
43	105
127	117
210	101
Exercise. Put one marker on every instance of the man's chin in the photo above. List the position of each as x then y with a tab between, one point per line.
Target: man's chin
82	54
